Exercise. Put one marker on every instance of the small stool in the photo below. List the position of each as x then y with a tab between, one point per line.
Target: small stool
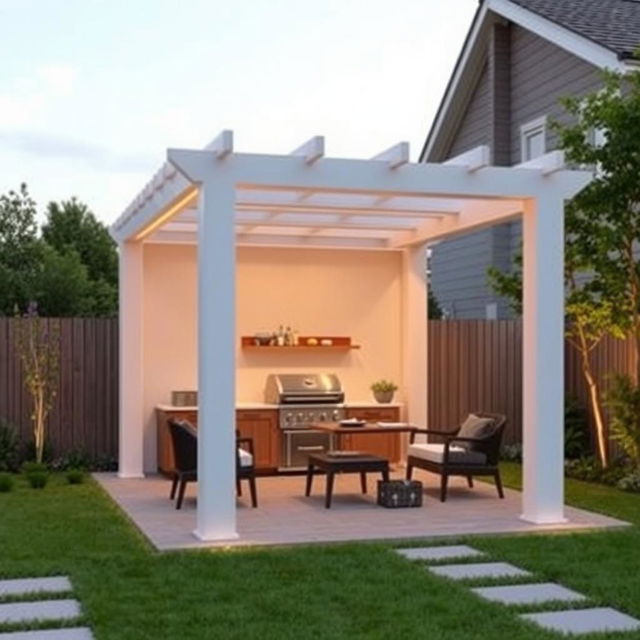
358	463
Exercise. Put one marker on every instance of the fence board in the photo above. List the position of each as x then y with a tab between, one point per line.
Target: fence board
84	414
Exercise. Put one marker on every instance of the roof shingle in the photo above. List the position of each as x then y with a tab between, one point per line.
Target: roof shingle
614	24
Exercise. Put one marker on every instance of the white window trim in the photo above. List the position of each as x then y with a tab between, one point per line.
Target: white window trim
539	125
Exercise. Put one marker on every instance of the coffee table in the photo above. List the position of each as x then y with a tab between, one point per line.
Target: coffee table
356	463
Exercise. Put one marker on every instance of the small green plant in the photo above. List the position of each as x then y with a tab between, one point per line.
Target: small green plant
38	479
6	482
383	386
9	446
75	476
623	400
36	473
630	482
576	434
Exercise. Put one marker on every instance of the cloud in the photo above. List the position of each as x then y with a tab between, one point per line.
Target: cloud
99	158
58	79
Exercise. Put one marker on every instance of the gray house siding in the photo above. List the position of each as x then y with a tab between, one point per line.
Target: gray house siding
541	73
474	128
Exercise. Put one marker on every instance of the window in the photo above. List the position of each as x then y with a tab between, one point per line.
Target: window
533	139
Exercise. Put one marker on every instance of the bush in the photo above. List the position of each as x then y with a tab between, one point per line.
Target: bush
34	467
75	459
623	400
576	429
512	452
9	446
630	482
6	482
30	451
75	476
38	479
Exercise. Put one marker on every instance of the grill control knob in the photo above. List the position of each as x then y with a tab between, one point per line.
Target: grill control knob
323	417
336	415
301	417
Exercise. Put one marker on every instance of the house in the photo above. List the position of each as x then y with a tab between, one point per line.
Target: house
519	58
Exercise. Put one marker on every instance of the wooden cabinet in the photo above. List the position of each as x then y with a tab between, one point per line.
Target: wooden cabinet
259	424
262	426
386	445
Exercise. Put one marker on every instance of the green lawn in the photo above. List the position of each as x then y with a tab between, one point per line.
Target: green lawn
340	591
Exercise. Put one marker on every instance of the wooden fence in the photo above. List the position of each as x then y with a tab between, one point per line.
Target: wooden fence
477	365
84	416
473	364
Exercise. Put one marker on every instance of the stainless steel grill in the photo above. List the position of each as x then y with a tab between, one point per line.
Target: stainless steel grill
304	399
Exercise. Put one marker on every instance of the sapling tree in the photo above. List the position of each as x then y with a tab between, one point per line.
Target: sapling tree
603	228
38	346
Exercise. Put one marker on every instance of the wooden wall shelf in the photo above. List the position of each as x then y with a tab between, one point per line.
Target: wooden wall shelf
338	343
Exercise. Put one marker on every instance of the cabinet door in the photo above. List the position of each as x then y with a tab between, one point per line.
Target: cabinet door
262	427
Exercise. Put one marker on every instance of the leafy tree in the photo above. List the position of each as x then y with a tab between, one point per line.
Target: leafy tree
72	228
20	249
435	311
603	230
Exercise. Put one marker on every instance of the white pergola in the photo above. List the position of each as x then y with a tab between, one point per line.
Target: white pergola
219	199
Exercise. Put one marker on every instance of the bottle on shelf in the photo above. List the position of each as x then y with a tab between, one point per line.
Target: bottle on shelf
280	336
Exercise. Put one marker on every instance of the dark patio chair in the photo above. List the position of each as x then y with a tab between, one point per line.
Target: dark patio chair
470	450
185	452
245	466
185	448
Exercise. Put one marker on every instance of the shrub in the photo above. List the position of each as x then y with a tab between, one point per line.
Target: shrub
623	400
34	467
75	459
9	446
576	429
38	479
6	482
75	476
630	482
30	451
512	452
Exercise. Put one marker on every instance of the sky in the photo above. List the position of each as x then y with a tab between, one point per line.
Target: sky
93	92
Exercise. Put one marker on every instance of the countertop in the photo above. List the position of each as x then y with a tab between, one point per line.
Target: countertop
365	404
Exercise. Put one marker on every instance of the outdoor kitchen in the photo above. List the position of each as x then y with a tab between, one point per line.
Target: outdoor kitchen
345	311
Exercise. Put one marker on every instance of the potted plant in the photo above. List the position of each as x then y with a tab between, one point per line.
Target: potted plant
383	390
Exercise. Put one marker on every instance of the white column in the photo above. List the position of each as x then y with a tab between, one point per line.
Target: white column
216	518
543	360
415	319
131	428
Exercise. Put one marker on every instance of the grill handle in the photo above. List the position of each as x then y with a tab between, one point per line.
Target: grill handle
317	447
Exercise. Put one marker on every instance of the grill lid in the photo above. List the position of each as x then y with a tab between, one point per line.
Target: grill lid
303	387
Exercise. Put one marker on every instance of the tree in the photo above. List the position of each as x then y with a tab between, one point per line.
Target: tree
38	345
435	311
603	228
72	228
20	249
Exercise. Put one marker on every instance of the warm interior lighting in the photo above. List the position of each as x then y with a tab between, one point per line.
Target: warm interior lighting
188	198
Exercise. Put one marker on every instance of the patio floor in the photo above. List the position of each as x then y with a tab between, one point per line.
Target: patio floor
285	516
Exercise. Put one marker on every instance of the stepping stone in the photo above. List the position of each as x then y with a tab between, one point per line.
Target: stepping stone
478	570
13	612
584	620
439	553
75	633
529	593
58	584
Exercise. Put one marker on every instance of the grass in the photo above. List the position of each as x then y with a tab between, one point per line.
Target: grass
350	591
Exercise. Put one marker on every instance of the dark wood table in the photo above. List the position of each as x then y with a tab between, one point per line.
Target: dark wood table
337	431
356	463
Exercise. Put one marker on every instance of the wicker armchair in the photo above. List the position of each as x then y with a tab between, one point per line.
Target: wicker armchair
460	455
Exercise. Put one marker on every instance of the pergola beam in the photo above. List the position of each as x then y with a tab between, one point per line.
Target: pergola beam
312	150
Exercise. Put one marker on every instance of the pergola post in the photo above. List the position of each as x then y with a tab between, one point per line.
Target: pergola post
131	423
543	359
415	329
216	519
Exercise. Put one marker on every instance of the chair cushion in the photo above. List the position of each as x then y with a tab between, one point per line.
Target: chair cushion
435	453
246	459
476	427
